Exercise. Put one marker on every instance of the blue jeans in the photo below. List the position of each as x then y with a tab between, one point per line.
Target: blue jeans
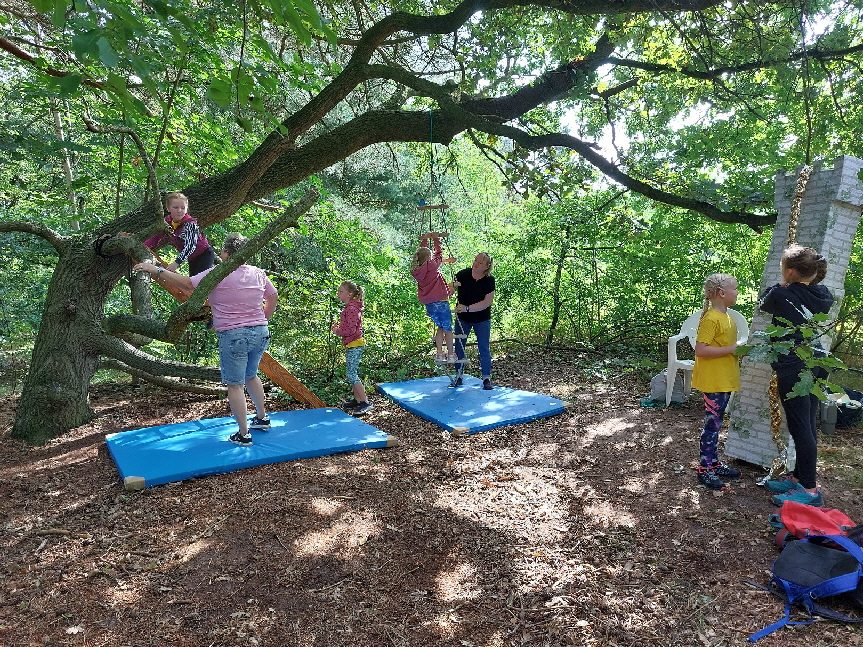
440	314
352	359
240	352
482	329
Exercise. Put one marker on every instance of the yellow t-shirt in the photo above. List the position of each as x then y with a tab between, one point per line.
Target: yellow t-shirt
716	374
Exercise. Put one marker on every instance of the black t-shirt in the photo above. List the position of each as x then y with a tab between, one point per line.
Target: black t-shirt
471	291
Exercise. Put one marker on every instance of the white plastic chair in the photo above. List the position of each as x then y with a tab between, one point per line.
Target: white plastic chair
690	329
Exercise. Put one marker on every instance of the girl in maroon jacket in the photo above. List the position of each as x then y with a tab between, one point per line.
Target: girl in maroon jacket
350	329
433	292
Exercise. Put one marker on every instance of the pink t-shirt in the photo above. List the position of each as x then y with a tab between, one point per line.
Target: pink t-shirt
238	300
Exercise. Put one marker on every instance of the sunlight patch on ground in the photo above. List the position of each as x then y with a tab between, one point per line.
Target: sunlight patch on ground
458	584
326	507
604	514
193	550
641	484
608	428
52	463
348	533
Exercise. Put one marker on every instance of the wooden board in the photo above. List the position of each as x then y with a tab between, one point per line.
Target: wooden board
291	385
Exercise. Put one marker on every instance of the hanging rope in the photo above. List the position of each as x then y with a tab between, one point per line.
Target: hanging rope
442	207
780	464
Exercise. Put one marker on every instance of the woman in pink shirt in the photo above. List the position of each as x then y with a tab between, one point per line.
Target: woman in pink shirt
242	304
434	293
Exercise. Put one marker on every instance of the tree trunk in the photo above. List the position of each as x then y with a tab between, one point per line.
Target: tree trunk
54	397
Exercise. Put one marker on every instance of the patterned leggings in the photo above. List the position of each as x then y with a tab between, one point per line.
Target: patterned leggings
714	410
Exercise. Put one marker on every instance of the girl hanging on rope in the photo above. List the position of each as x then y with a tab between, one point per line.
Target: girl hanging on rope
434	293
794	302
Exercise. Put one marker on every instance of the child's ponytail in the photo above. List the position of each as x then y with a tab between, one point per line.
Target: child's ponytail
356	292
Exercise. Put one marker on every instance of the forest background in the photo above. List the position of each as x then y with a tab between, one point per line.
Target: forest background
604	257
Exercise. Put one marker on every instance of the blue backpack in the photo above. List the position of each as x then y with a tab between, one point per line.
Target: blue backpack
807	571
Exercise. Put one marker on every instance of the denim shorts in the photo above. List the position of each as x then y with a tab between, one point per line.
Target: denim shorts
240	352
440	314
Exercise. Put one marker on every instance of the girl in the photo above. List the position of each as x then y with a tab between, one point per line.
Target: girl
797	299
716	374
433	292
350	329
187	238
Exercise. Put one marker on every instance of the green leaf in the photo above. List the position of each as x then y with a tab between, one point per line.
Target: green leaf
804	386
42	6
107	54
219	92
58	15
84	45
67	85
245	124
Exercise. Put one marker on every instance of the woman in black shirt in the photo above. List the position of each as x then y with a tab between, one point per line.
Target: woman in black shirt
475	291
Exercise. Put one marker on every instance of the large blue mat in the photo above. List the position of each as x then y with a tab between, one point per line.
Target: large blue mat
469	409
167	453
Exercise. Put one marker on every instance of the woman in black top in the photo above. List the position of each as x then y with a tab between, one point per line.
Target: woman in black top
475	291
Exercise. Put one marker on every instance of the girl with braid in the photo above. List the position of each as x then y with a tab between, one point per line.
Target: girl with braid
716	374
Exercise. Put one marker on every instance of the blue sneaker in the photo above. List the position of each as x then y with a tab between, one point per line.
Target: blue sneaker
800	496
783	485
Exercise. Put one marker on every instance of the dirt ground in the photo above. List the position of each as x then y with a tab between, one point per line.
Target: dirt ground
586	528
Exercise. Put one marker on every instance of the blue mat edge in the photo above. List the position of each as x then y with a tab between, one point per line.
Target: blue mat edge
234	467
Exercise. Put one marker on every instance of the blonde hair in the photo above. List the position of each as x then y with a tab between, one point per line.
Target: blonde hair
420	256
807	262
176	195
712	285
353	289
490	263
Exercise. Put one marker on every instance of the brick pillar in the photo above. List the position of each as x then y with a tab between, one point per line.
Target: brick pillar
829	214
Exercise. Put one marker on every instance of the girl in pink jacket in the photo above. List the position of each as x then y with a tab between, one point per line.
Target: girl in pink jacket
434	293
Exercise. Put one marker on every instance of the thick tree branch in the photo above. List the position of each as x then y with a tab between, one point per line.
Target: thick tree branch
164	382
58	242
17	52
138	359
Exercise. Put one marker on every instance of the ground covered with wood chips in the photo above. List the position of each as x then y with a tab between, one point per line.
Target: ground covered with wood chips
587	528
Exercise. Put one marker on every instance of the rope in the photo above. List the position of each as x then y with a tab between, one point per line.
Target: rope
780	463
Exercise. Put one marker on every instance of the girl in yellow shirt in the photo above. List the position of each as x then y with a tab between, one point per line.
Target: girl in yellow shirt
716	374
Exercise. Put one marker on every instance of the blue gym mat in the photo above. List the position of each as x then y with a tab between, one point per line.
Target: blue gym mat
468	409
167	453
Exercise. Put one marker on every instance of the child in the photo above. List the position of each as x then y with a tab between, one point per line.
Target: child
716	374
797	299
187	238
350	329
433	292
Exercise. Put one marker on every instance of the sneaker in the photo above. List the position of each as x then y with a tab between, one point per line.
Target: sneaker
800	496
452	358
456	383
783	485
707	477
486	384
260	423
239	439
363	408
350	404
440	358
725	471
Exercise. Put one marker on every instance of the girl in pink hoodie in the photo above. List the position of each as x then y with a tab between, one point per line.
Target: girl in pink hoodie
434	293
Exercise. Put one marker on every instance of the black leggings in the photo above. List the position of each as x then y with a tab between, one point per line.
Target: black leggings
800	412
203	261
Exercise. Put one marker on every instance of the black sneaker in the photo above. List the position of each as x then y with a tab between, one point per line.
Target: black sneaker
363	408
486	384
239	439
707	477
350	404
456	383
725	471
260	423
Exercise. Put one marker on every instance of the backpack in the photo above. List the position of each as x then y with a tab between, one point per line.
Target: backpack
798	520
657	388
807	571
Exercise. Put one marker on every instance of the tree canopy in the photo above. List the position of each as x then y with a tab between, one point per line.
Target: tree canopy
691	105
